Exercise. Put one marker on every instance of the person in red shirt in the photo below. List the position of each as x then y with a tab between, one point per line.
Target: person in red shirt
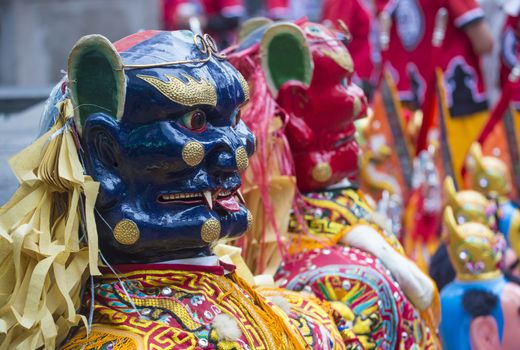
411	49
396	58
217	17
467	37
510	55
277	9
294	9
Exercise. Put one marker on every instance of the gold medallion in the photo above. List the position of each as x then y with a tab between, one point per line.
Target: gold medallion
322	172
193	153
241	158
210	230
126	232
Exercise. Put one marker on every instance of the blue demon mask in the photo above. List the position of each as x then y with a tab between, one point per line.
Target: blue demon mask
158	114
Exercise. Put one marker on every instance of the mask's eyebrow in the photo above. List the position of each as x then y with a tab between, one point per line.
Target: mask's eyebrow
188	92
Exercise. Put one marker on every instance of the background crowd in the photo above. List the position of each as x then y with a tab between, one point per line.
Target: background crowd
477	52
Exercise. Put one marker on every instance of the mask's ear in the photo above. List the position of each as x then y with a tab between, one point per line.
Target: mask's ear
477	158
96	79
451	192
251	25
453	236
514	233
285	56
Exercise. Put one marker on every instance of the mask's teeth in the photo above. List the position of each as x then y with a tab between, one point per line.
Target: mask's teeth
241	197
208	199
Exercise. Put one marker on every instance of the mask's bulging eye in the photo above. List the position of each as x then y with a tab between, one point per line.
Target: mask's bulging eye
194	120
235	118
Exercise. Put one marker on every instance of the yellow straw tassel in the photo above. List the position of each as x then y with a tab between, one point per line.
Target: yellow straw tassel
42	261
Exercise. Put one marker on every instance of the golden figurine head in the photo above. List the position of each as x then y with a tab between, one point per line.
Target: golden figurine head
474	249
489	175
469	205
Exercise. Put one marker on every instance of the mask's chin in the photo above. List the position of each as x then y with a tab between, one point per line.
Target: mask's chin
167	231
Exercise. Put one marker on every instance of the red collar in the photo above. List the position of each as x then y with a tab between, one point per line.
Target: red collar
151	269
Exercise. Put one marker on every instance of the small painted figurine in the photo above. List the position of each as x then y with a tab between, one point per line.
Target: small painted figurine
490	176
469	205
301	78
480	307
139	163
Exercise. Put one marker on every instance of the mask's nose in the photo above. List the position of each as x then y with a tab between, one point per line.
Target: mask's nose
227	157
246	137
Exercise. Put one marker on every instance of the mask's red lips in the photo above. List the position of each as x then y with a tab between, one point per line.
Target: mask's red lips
228	200
229	203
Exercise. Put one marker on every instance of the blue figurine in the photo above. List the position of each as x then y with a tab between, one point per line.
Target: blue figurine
480	307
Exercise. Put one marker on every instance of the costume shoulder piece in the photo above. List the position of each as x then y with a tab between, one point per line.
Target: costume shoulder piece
181	307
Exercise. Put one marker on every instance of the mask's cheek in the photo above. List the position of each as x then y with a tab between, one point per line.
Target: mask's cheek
103	158
158	138
319	168
148	235
236	223
246	137
345	161
162	150
359	101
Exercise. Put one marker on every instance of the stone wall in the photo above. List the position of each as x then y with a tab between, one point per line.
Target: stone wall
37	35
35	39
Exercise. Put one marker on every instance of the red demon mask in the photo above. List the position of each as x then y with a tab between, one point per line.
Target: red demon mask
319	98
